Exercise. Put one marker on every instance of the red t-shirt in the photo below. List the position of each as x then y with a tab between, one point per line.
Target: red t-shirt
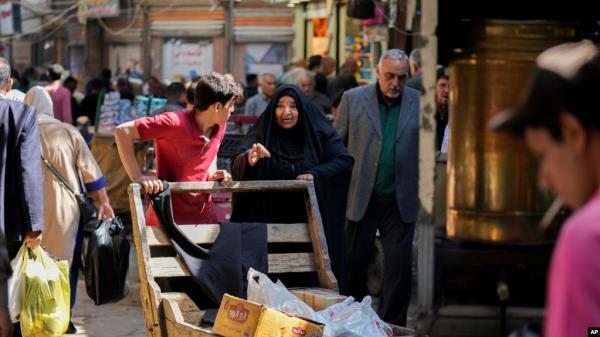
183	153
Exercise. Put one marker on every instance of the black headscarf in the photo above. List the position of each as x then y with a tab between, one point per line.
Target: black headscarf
313	147
301	141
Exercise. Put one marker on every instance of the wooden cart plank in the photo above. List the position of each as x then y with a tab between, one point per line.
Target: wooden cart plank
278	263
206	234
241	186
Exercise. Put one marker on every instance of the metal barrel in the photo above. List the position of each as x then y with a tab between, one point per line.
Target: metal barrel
492	192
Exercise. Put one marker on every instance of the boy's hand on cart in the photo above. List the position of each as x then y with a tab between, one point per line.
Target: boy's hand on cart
222	176
151	184
257	152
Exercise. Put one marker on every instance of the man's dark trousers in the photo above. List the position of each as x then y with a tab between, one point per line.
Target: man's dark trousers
396	237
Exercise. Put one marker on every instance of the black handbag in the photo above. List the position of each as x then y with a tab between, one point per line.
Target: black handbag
107	262
88	215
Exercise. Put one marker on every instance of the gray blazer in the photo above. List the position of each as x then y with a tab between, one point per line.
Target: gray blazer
359	125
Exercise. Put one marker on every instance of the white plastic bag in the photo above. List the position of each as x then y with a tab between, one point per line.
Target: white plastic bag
262	290
346	319
15	284
356	320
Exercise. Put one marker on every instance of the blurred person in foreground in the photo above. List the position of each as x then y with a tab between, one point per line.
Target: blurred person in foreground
559	121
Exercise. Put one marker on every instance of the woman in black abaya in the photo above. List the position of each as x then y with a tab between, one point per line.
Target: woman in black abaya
293	140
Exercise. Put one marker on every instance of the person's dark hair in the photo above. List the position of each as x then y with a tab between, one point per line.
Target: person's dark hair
215	88
175	90
190	94
55	72
337	99
106	74
4	72
96	84
441	72
71	80
251	78
314	62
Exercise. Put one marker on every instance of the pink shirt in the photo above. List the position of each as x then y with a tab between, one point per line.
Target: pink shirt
183	153
61	101
573	295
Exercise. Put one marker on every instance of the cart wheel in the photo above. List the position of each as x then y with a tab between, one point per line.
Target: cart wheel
375	269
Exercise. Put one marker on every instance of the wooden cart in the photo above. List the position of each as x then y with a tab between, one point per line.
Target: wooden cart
169	311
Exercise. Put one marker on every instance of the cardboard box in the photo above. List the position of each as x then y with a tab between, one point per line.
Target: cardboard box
318	298
241	318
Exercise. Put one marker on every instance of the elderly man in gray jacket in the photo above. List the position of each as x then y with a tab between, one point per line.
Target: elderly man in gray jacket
379	123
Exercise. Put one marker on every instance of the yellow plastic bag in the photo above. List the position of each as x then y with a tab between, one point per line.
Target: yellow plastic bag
45	297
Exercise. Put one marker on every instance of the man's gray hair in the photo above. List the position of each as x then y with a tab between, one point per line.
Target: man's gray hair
415	57
392	54
4	72
263	75
294	76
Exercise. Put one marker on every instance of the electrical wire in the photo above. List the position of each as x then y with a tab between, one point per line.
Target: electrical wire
47	24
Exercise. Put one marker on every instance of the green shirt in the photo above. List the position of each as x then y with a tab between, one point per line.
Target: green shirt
384	188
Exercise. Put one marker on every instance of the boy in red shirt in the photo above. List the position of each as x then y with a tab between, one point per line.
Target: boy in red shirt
186	144
560	123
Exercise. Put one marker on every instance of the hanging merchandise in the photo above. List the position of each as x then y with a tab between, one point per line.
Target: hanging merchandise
107	262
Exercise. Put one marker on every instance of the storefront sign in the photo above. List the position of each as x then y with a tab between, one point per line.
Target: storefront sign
102	8
186	59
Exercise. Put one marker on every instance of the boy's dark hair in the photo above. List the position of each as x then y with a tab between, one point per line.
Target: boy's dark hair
175	90
215	88
55	72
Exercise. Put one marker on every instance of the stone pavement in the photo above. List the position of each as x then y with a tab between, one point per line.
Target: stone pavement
121	319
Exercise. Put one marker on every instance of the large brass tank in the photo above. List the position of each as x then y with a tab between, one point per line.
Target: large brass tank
492	193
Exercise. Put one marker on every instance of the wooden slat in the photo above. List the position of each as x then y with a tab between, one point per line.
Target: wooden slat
292	263
150	294
168	267
205	234
278	263
317	234
241	186
189	310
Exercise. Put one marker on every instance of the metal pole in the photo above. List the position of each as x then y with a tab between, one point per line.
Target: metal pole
426	233
229	38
